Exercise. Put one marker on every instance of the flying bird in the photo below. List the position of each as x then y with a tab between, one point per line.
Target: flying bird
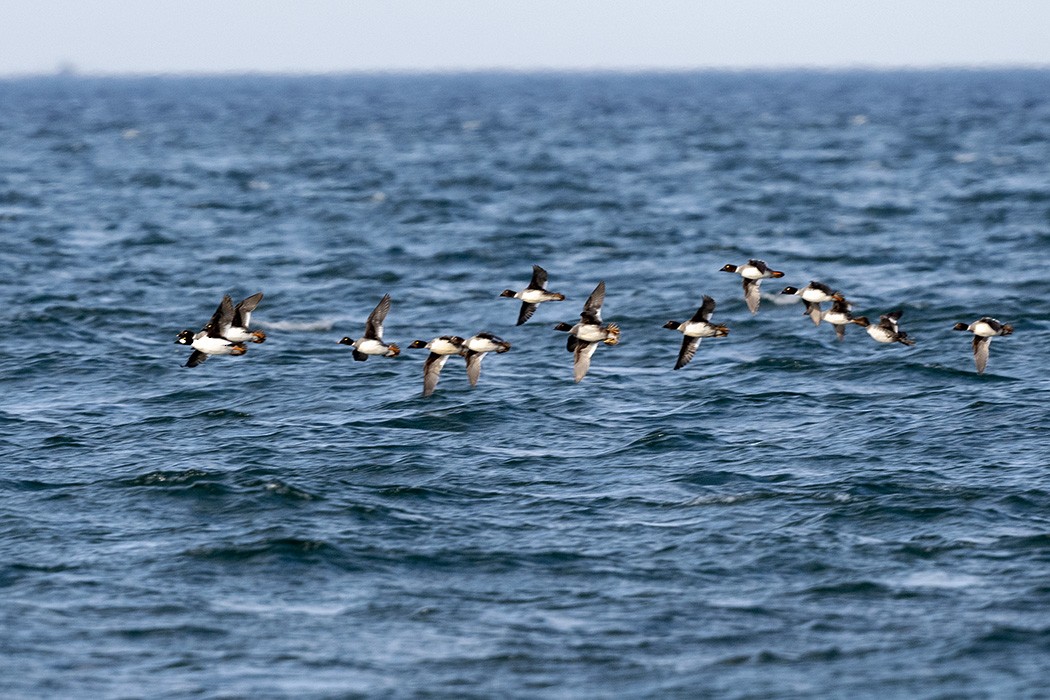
753	272
372	342
441	349
699	326
585	335
211	339
983	329
476	347
533	294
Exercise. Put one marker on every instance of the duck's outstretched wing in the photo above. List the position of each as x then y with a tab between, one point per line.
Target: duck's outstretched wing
592	310
707	307
689	345
242	313
526	312
196	357
374	324
221	320
474	366
751	294
581	359
539	278
813	310
432	372
980	352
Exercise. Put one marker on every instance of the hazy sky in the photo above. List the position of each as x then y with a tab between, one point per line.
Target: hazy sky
155	36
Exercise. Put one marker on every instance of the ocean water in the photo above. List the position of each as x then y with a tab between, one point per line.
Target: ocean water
787	516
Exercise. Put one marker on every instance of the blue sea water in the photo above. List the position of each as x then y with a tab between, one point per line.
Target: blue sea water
786	516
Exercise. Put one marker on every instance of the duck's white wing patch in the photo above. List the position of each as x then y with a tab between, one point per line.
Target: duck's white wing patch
374	324
592	310
242	314
706	309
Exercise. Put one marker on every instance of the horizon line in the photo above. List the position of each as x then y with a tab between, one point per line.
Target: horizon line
71	71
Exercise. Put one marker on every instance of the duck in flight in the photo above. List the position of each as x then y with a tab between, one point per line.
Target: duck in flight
813	295
441	349
372	342
212	340
984	329
476	347
240	331
533	294
699	326
753	272
585	335
886	330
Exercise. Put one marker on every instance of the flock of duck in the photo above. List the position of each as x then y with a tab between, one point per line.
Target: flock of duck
229	329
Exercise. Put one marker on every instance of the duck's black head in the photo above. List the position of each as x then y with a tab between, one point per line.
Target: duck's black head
790	290
960	327
507	293
862	321
346	340
728	268
563	327
185	337
673	325
418	344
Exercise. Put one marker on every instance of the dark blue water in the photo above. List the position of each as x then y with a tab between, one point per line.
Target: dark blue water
786	516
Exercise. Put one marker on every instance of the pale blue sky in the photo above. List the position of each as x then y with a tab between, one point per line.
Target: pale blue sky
151	36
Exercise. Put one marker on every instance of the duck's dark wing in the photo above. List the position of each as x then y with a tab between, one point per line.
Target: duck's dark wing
819	286
760	264
222	319
242	313
706	309
592	310
581	359
751	295
432	372
840	331
359	356
196	358
980	352
571	342
689	345
539	278
890	320
374	324
994	324
474	366
526	312
903	339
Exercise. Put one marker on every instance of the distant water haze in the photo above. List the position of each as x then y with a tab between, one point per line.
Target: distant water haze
330	36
